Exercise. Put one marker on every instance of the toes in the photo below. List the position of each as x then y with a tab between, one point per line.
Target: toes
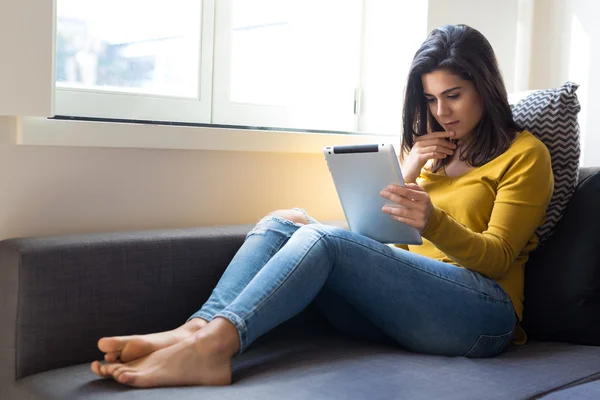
100	369
112	368
120	371
112	357
106	369
95	367
126	378
131	378
111	344
103	368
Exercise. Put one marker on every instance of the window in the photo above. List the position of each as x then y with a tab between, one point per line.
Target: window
134	59
273	63
287	63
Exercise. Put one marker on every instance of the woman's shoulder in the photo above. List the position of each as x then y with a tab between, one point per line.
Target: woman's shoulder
526	172
526	144
527	156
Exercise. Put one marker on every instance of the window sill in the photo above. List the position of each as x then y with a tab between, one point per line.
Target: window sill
51	132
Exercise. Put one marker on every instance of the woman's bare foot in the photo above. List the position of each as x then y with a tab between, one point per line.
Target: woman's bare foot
203	358
129	348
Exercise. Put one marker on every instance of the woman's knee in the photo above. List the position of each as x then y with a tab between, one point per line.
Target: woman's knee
291	215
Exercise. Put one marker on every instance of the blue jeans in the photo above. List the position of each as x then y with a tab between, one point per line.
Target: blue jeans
361	286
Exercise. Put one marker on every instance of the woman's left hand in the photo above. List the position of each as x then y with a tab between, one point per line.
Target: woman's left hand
416	205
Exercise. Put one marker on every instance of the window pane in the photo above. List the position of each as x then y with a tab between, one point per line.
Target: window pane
259	53
295	52
136	46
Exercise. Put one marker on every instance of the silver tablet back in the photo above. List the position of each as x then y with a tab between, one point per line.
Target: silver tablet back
359	173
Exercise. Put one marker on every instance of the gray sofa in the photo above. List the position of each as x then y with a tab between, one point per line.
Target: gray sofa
61	293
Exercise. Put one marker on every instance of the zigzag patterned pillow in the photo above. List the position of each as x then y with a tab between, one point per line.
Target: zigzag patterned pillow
551	115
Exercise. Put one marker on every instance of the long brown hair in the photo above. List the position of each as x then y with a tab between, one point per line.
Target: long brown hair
465	52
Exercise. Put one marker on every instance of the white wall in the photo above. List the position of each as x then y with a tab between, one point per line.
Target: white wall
498	21
52	190
566	46
24	50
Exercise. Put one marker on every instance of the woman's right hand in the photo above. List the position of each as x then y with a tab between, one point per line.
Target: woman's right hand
430	146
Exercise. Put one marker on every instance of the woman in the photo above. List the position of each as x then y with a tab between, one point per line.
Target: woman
477	190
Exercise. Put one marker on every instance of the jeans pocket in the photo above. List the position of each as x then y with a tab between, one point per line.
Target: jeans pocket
489	346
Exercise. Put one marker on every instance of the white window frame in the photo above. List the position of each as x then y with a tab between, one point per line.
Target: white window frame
50	132
109	104
35	129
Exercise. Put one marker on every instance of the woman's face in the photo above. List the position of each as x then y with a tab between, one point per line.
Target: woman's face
453	101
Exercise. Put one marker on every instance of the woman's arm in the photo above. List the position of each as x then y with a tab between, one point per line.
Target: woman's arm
522	197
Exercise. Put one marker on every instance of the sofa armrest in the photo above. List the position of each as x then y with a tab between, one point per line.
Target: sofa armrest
587	171
60	294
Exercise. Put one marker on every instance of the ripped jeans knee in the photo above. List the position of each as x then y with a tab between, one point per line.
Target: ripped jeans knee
310	219
275	222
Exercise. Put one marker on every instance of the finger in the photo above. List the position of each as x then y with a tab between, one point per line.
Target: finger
399	212
438	149
435	135
407	221
423	144
402	201
435	156
414	186
407	192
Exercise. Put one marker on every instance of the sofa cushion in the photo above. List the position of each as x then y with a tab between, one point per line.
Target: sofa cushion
551	115
584	391
78	288
562	278
331	366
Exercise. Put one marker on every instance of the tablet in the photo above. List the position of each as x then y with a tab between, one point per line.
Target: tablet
360	173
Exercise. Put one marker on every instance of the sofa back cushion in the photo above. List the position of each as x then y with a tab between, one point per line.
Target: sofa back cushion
551	115
562	278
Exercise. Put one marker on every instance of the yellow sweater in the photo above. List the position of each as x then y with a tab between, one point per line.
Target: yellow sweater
485	220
